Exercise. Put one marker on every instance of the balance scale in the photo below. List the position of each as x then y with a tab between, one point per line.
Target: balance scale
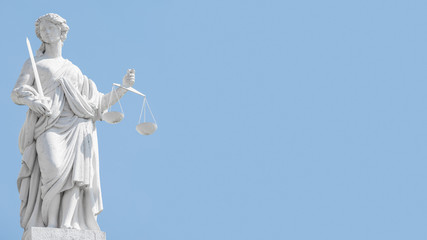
144	128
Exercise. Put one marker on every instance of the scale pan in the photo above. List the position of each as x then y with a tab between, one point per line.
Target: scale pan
113	117
146	128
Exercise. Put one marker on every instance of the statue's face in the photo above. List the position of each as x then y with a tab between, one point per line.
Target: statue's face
50	32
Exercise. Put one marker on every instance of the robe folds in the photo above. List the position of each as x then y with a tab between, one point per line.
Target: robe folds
60	151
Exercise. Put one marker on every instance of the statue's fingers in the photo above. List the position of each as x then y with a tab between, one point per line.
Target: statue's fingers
45	109
42	109
38	110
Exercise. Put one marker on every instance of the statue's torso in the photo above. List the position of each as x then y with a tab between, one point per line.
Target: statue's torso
48	72
47	67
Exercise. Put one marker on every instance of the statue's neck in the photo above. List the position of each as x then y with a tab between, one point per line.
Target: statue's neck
53	50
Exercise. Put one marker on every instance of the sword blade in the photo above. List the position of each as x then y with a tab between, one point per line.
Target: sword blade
36	73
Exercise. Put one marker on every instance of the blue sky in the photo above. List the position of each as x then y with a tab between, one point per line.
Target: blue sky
293	120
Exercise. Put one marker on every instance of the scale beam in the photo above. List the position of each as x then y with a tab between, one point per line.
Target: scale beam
129	89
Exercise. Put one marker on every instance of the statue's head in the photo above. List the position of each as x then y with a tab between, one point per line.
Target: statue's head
55	19
49	19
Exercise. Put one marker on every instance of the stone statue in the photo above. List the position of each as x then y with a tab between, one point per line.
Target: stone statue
59	184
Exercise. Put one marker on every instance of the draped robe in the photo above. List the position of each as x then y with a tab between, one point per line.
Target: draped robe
61	151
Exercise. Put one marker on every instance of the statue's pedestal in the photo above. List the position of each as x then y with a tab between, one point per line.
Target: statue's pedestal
39	233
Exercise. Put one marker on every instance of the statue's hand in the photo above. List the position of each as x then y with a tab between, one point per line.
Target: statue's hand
129	78
40	107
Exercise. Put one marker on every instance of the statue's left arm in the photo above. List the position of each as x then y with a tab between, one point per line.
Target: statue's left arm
112	97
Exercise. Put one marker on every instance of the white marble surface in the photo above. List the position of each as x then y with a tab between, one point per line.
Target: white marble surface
59	183
40	233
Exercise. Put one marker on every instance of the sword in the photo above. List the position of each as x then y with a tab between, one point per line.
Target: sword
36	73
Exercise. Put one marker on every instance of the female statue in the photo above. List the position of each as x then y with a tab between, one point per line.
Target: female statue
59	179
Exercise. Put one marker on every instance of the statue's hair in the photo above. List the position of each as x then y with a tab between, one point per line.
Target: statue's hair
55	19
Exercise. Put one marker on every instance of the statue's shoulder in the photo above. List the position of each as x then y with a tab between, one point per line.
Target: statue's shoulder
71	67
72	72
27	64
68	63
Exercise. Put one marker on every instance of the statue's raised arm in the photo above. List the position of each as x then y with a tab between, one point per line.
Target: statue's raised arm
112	97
